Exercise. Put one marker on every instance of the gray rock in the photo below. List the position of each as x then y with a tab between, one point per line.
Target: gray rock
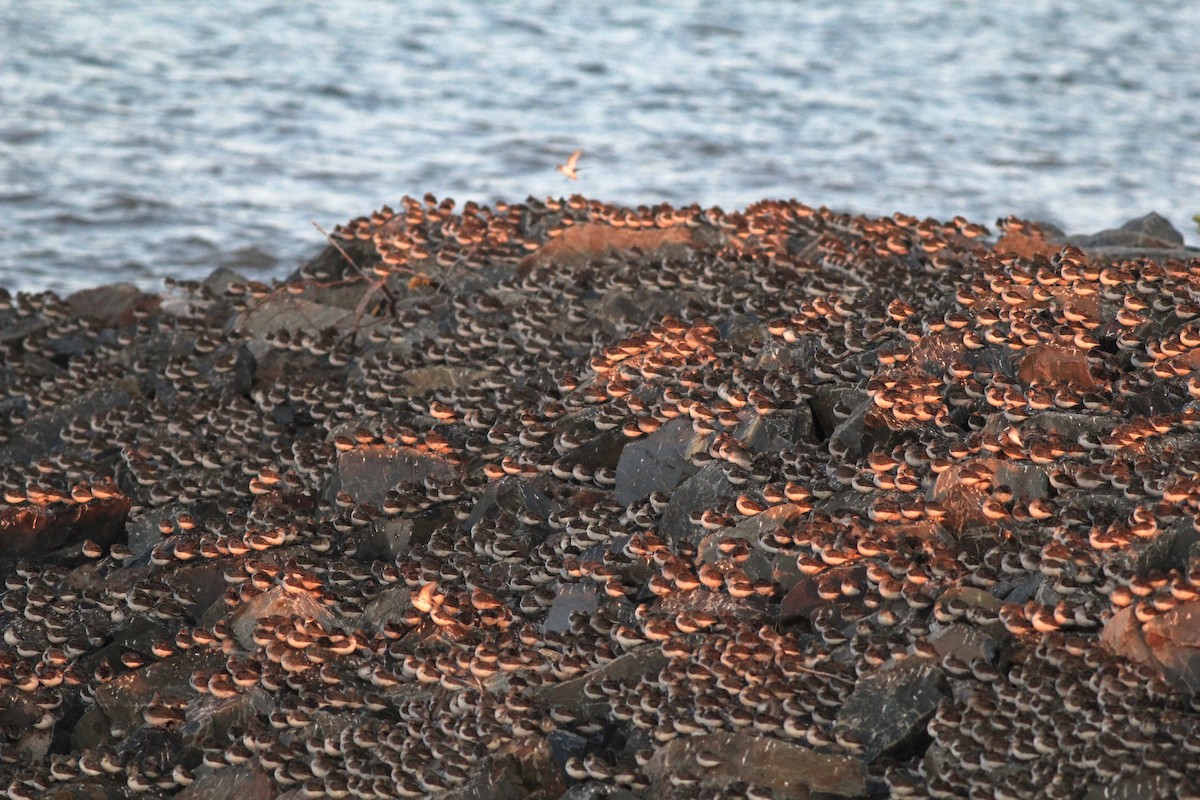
603	450
221	278
592	790
273	602
368	473
112	305
889	708
572	597
514	495
209	716
41	432
850	434
564	745
125	698
644	660
1147	786
788	770
776	432
699	492
657	462
386	606
283	311
1154	226
91	730
964	642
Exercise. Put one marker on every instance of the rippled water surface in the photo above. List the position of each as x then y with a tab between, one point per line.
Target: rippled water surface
140	140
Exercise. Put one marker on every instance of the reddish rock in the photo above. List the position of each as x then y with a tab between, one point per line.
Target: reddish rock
1050	363
1027	241
33	530
1169	643
581	243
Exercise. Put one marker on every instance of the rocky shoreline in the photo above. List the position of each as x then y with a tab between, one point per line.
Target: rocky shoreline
559	499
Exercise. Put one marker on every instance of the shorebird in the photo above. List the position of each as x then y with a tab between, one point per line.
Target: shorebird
568	168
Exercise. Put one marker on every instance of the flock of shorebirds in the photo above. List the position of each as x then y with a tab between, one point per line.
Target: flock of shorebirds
658	493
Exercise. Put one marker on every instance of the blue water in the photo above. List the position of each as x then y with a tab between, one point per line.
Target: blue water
144	140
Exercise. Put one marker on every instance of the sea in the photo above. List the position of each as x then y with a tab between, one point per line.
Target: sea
145	140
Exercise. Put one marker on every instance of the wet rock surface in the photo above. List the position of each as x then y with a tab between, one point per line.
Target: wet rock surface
565	500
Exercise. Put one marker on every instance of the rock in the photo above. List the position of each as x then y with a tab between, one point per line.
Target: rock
246	782
699	492
715	603
658	462
514	496
571	598
788	770
564	745
525	770
644	660
1149	231
282	311
1169	643
220	279
964	642
803	600
18	713
387	538
776	432
202	584
1148	786
92	790
1155	226
592	790
1050	363
603	450
274	602
851	434
387	606
979	599
440	378
91	730
618	309
209	716
888	709
828	400
111	306
587	242
368	472
124	698
782	568
30	531
41	433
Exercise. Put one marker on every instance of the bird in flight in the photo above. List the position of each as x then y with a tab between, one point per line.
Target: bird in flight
568	168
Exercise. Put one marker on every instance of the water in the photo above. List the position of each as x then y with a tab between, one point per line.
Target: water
143	140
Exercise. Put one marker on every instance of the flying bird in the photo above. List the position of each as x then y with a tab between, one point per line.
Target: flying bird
568	168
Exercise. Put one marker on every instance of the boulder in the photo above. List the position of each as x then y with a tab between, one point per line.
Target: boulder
658	462
1169	643
888	709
